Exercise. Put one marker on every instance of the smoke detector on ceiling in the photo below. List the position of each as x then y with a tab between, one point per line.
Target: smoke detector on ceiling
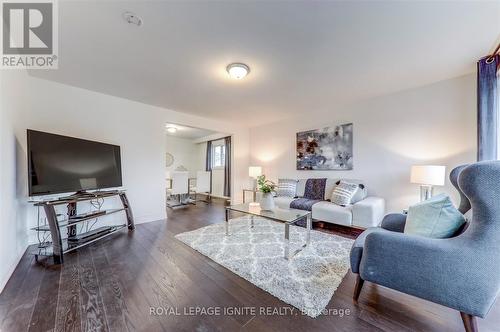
131	18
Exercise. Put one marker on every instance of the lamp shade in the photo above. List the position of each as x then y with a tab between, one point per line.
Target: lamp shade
428	174
254	171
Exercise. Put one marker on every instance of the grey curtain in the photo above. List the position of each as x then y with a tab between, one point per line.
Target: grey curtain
208	162
227	167
487	108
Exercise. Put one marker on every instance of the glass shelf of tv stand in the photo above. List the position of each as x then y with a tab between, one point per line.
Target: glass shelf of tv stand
71	222
73	199
68	246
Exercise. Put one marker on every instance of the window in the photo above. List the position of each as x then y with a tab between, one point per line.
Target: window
218	156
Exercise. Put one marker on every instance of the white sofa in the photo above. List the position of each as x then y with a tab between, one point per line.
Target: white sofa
367	212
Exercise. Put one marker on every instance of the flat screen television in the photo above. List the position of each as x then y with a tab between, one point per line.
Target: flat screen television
62	164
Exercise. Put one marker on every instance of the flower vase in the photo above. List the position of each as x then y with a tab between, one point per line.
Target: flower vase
267	202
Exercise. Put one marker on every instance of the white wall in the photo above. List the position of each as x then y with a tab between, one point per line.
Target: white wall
185	153
434	124
138	128
200	153
13	225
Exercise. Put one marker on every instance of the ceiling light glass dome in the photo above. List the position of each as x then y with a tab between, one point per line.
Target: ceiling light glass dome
237	70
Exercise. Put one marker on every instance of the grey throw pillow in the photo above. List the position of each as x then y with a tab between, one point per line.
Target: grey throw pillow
286	188
343	193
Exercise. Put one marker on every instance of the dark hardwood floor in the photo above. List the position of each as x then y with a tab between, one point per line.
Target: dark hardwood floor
111	286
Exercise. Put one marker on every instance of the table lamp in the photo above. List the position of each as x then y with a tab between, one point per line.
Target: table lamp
254	172
427	176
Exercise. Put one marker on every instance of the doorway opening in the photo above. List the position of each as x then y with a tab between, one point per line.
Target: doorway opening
197	165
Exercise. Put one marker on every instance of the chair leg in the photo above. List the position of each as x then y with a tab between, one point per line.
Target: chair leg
357	288
470	323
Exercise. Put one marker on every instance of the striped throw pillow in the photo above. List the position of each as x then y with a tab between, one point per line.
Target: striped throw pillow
343	193
286	188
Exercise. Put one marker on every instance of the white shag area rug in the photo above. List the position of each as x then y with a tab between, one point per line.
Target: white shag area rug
307	281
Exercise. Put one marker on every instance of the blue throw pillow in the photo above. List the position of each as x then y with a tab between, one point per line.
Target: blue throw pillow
435	218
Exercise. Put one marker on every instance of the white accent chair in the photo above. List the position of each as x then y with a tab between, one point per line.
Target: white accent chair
202	185
179	188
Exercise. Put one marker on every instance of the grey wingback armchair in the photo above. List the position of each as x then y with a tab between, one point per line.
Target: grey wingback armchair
461	272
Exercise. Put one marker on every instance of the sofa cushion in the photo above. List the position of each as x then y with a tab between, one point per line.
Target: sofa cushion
329	212
286	188
368	212
435	218
283	202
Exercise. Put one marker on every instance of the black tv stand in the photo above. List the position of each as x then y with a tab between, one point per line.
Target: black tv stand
59	246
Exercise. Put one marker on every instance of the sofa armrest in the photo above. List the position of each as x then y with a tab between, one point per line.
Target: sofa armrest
368	212
394	222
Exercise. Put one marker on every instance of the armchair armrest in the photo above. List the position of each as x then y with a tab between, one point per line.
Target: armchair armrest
368	212
394	222
443	271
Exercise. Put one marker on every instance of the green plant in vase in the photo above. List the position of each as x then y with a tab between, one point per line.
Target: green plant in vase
266	187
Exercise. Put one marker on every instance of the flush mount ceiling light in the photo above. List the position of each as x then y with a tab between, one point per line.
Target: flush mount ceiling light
131	18
171	129
237	70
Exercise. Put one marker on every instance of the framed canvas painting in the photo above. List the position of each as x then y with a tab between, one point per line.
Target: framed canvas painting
329	148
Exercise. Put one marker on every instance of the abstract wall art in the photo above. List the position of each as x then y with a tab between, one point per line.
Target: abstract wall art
328	148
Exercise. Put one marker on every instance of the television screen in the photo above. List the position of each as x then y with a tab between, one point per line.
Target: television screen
61	164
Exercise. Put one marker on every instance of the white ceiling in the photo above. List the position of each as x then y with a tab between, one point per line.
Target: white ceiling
188	132
304	56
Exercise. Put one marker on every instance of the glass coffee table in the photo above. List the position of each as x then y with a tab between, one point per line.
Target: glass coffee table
286	216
